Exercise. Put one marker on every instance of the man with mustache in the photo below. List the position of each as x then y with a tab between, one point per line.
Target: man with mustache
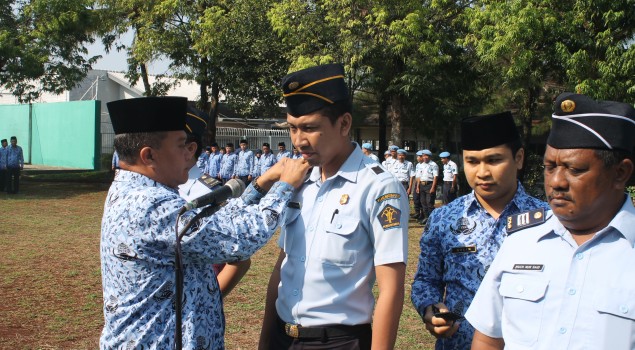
461	239
569	281
346	226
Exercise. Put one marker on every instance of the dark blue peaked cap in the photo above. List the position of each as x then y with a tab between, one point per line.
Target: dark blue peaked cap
314	88
581	122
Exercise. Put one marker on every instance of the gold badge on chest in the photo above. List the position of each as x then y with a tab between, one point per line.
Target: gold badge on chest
344	199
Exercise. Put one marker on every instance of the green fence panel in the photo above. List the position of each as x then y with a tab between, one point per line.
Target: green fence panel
14	121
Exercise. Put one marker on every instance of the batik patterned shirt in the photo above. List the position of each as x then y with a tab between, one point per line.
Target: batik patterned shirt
458	245
3	157
227	165
137	261
15	159
244	163
212	167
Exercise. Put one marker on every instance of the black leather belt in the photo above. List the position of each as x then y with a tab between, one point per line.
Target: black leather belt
298	332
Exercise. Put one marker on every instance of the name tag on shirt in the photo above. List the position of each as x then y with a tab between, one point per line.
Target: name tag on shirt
468	249
529	267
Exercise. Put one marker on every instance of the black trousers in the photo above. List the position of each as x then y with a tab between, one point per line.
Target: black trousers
13	180
3	179
448	196
279	340
427	199
416	201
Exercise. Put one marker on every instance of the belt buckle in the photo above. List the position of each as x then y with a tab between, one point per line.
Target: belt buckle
291	330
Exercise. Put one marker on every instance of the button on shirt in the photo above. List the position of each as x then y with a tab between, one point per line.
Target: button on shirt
227	165
402	171
582	297
14	157
334	241
137	261
213	164
449	171
457	274
244	164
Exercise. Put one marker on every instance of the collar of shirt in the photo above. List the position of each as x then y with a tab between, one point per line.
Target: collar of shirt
515	203
349	170
136	179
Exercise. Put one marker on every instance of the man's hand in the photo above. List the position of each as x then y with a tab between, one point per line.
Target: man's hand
437	326
291	171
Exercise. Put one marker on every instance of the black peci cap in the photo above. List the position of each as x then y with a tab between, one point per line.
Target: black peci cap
581	122
312	89
148	114
487	131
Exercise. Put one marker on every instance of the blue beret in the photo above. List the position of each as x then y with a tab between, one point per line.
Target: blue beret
581	122
444	155
314	88
393	148
419	153
367	146
402	151
427	152
387	152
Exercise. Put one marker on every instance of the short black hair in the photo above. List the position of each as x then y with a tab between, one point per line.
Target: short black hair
336	110
515	146
129	145
612	157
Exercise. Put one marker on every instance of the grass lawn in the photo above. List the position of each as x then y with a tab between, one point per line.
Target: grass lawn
50	280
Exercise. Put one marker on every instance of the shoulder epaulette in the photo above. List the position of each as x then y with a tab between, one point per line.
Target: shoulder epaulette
377	169
525	219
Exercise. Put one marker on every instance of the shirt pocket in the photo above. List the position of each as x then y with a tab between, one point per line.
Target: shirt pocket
619	302
338	247
523	297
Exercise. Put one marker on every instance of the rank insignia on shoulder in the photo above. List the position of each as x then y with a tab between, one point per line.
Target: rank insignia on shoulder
378	170
387	196
526	219
389	217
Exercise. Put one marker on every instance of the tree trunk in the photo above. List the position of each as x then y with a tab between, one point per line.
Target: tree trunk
395	119
144	78
213	113
383	108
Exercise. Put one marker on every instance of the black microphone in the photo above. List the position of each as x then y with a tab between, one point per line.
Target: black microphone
232	189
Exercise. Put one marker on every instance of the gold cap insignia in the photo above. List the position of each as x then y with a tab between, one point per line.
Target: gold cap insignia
538	215
567	106
344	199
294	85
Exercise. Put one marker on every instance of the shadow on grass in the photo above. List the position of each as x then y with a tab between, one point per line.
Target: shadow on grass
57	185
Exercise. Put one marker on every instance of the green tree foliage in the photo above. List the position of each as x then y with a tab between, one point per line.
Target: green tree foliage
42	45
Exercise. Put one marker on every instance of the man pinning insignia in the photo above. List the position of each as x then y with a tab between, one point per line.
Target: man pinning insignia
451	265
568	282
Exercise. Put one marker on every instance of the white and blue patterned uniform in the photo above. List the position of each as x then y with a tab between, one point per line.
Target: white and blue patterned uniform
449	171
3	157
402	171
582	297
448	268
201	163
334	241
285	153
255	168
15	159
244	164
213	164
137	261
266	161
227	165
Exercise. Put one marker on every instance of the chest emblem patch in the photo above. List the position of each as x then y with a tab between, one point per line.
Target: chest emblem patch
344	199
463	226
389	217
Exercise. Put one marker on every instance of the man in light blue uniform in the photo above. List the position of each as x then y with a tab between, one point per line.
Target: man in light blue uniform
282	151
346	226
267	160
367	148
403	170
450	174
567	280
3	164
140	214
388	163
427	185
255	169
15	163
213	163
461	239
416	196
227	163
244	164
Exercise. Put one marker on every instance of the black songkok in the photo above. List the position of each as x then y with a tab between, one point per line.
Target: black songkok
312	89
487	131
148	114
581	122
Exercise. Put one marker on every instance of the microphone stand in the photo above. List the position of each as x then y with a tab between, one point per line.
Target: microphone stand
178	268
